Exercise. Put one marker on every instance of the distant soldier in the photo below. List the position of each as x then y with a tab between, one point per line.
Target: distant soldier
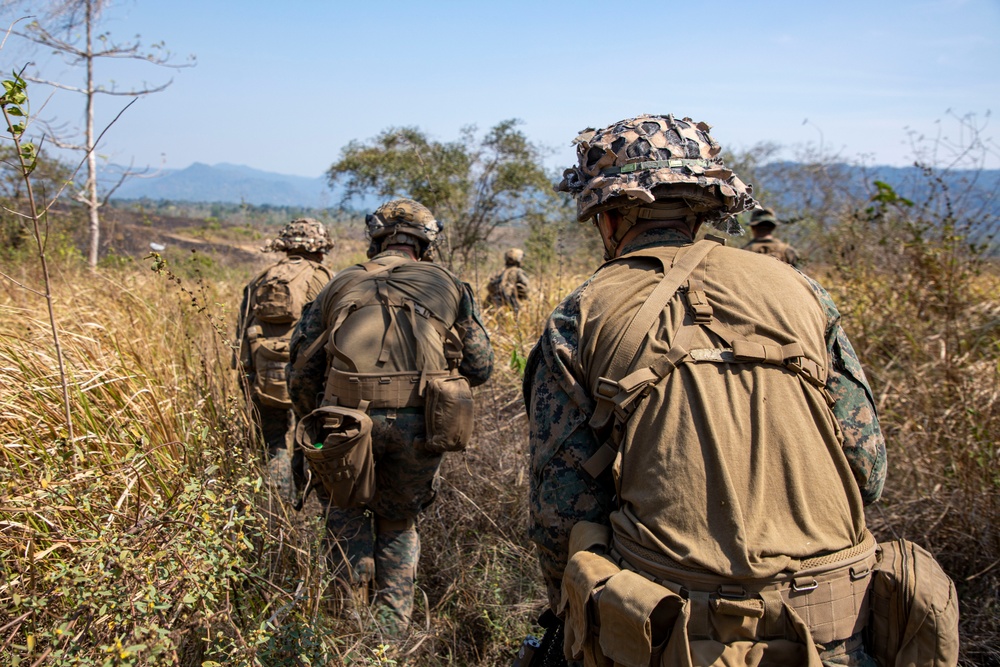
510	286
374	352
272	305
762	224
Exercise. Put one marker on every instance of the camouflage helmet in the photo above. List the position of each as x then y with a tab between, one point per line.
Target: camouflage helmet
513	257
763	216
640	160
301	235
406	218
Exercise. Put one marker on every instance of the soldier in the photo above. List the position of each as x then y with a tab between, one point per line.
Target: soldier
697	416
396	320
510	286
762	224
272	304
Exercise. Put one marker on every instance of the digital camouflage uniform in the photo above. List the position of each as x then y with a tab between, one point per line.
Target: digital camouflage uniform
385	554
775	248
510	286
560	403
276	423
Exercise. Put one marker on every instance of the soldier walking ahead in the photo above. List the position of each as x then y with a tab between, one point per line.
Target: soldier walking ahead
762	224
510	286
272	304
382	338
703	439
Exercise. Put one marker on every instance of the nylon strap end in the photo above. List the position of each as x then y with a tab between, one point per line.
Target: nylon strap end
600	461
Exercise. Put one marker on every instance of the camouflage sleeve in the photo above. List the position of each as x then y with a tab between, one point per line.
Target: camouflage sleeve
477	352
305	385
523	284
560	441
242	358
854	405
792	256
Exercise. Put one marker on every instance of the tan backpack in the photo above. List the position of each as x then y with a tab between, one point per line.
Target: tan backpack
276	299
281	292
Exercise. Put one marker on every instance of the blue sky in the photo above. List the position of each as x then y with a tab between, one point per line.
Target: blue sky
283	86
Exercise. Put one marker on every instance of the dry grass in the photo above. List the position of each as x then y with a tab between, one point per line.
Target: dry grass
151	538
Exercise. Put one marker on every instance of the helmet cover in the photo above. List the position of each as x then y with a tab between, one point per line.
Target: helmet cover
301	235
403	216
513	257
639	160
761	216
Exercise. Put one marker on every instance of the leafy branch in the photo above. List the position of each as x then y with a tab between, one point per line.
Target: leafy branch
14	105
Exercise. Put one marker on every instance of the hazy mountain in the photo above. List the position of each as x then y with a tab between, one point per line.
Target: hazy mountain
230	183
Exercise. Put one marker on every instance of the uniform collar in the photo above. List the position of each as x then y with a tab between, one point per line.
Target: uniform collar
657	236
393	253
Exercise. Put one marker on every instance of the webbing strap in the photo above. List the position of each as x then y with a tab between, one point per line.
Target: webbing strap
370	269
685	262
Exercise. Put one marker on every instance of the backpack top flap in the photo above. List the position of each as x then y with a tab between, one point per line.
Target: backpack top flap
281	292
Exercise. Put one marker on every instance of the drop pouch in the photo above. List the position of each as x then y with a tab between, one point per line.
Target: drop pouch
448	413
337	442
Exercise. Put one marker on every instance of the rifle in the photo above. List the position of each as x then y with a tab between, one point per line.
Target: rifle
547	652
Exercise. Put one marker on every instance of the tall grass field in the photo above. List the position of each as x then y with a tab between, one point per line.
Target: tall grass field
151	536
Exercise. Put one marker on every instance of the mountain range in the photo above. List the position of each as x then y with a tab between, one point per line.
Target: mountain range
230	183
237	184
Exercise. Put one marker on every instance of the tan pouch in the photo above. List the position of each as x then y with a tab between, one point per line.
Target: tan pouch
914	612
270	383
337	442
449	414
638	618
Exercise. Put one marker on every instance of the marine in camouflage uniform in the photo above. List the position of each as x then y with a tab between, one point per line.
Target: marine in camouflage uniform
666	198
762	224
378	546
305	242
510	286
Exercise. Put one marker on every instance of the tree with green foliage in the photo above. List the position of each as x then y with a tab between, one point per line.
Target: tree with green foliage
69	28
49	176
473	185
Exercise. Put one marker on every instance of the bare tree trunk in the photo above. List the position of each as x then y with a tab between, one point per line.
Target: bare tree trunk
92	202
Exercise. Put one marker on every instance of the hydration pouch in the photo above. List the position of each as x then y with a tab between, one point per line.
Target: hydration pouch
269	358
337	442
448	414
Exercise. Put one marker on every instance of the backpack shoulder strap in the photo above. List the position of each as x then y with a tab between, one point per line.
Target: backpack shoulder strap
685	263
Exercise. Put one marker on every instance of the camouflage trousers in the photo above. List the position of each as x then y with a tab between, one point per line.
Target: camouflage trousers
376	548
274	426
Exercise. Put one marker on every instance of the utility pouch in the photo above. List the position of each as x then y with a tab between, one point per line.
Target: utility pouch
337	442
914	614
269	359
448	414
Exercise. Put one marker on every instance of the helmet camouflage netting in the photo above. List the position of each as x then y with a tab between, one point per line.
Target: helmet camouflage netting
302	235
640	160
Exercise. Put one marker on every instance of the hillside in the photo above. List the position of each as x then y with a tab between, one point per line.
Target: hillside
230	183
